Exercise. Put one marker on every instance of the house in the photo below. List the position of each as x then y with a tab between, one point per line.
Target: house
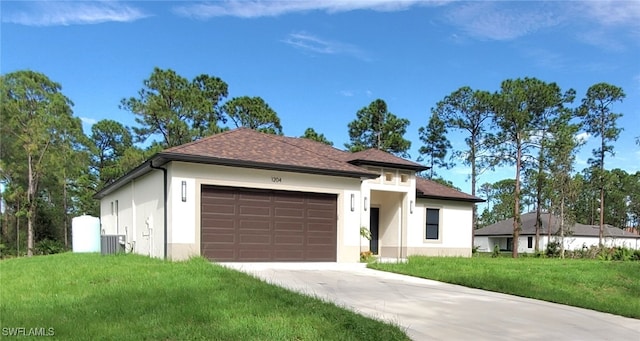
243	195
576	235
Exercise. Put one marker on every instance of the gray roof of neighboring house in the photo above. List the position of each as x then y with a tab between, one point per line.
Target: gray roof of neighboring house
528	228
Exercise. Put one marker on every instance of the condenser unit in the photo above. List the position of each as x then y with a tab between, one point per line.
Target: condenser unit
112	243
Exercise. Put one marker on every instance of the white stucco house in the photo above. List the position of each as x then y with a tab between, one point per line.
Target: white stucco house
577	235
242	195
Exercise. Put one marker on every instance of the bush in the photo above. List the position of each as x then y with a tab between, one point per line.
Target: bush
553	249
496	251
49	247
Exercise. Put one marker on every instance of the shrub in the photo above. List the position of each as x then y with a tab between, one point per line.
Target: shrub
553	249
48	247
496	251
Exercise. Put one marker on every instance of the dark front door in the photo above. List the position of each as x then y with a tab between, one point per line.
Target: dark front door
374	227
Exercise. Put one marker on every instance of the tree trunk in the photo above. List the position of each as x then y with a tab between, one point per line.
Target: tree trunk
516	206
539	199
474	212
31	206
562	224
601	232
66	216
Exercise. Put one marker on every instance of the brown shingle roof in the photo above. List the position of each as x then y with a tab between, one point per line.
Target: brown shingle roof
247	147
430	189
528	228
378	157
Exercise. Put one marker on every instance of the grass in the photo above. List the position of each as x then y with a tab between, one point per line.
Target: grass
130	297
612	287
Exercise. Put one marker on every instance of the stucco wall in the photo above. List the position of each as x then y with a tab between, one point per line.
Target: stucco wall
486	243
456	219
139	214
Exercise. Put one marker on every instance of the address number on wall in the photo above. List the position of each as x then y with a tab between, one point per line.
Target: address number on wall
276	179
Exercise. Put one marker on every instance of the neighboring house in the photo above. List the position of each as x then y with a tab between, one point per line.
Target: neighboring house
577	236
247	196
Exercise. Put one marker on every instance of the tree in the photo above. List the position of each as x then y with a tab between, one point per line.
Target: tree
470	111
547	103
176	109
110	140
562	148
436	145
600	121
503	200
311	134
516	107
35	117
253	113
376	127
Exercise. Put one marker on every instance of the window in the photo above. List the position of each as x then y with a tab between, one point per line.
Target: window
433	224
529	242
404	178
509	243
388	176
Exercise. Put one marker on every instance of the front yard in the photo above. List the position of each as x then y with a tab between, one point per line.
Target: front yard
607	286
131	297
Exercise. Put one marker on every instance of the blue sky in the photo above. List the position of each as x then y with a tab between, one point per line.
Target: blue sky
317	63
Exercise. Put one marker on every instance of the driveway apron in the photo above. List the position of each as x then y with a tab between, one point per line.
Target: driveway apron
431	310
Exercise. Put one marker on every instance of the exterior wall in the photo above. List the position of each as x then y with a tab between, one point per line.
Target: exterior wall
392	192
456	220
486	243
138	213
184	222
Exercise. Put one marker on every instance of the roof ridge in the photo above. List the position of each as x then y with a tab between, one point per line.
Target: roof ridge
203	139
284	140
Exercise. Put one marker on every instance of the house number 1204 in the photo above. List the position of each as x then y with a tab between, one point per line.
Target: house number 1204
276	179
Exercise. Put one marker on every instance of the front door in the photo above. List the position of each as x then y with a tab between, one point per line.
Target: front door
373	228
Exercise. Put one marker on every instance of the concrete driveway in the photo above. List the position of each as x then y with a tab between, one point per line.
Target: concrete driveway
431	310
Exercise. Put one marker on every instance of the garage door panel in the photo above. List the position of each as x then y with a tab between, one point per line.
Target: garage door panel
288	226
289	212
320	227
218	223
281	240
254	225
256	239
253	255
266	225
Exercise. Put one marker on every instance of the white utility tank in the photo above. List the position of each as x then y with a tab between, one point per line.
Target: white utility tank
85	234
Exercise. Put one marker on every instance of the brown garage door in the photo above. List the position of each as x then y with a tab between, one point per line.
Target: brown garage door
250	225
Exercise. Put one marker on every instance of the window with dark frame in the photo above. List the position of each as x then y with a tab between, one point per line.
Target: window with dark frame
433	224
529	242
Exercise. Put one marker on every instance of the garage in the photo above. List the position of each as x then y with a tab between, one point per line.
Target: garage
256	225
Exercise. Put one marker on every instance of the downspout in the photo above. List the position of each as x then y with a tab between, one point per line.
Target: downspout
164	171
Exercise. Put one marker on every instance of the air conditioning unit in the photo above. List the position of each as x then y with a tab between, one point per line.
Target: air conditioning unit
112	243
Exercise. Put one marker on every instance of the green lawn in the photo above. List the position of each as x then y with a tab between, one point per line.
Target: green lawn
612	287
129	297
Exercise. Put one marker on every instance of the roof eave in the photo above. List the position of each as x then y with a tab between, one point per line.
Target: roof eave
417	168
473	200
163	158
267	166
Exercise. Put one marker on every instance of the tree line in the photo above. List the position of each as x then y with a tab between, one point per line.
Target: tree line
50	168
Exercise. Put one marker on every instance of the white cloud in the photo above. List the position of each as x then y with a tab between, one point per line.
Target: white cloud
613	13
88	120
63	13
309	42
261	8
582	137
491	20
346	93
